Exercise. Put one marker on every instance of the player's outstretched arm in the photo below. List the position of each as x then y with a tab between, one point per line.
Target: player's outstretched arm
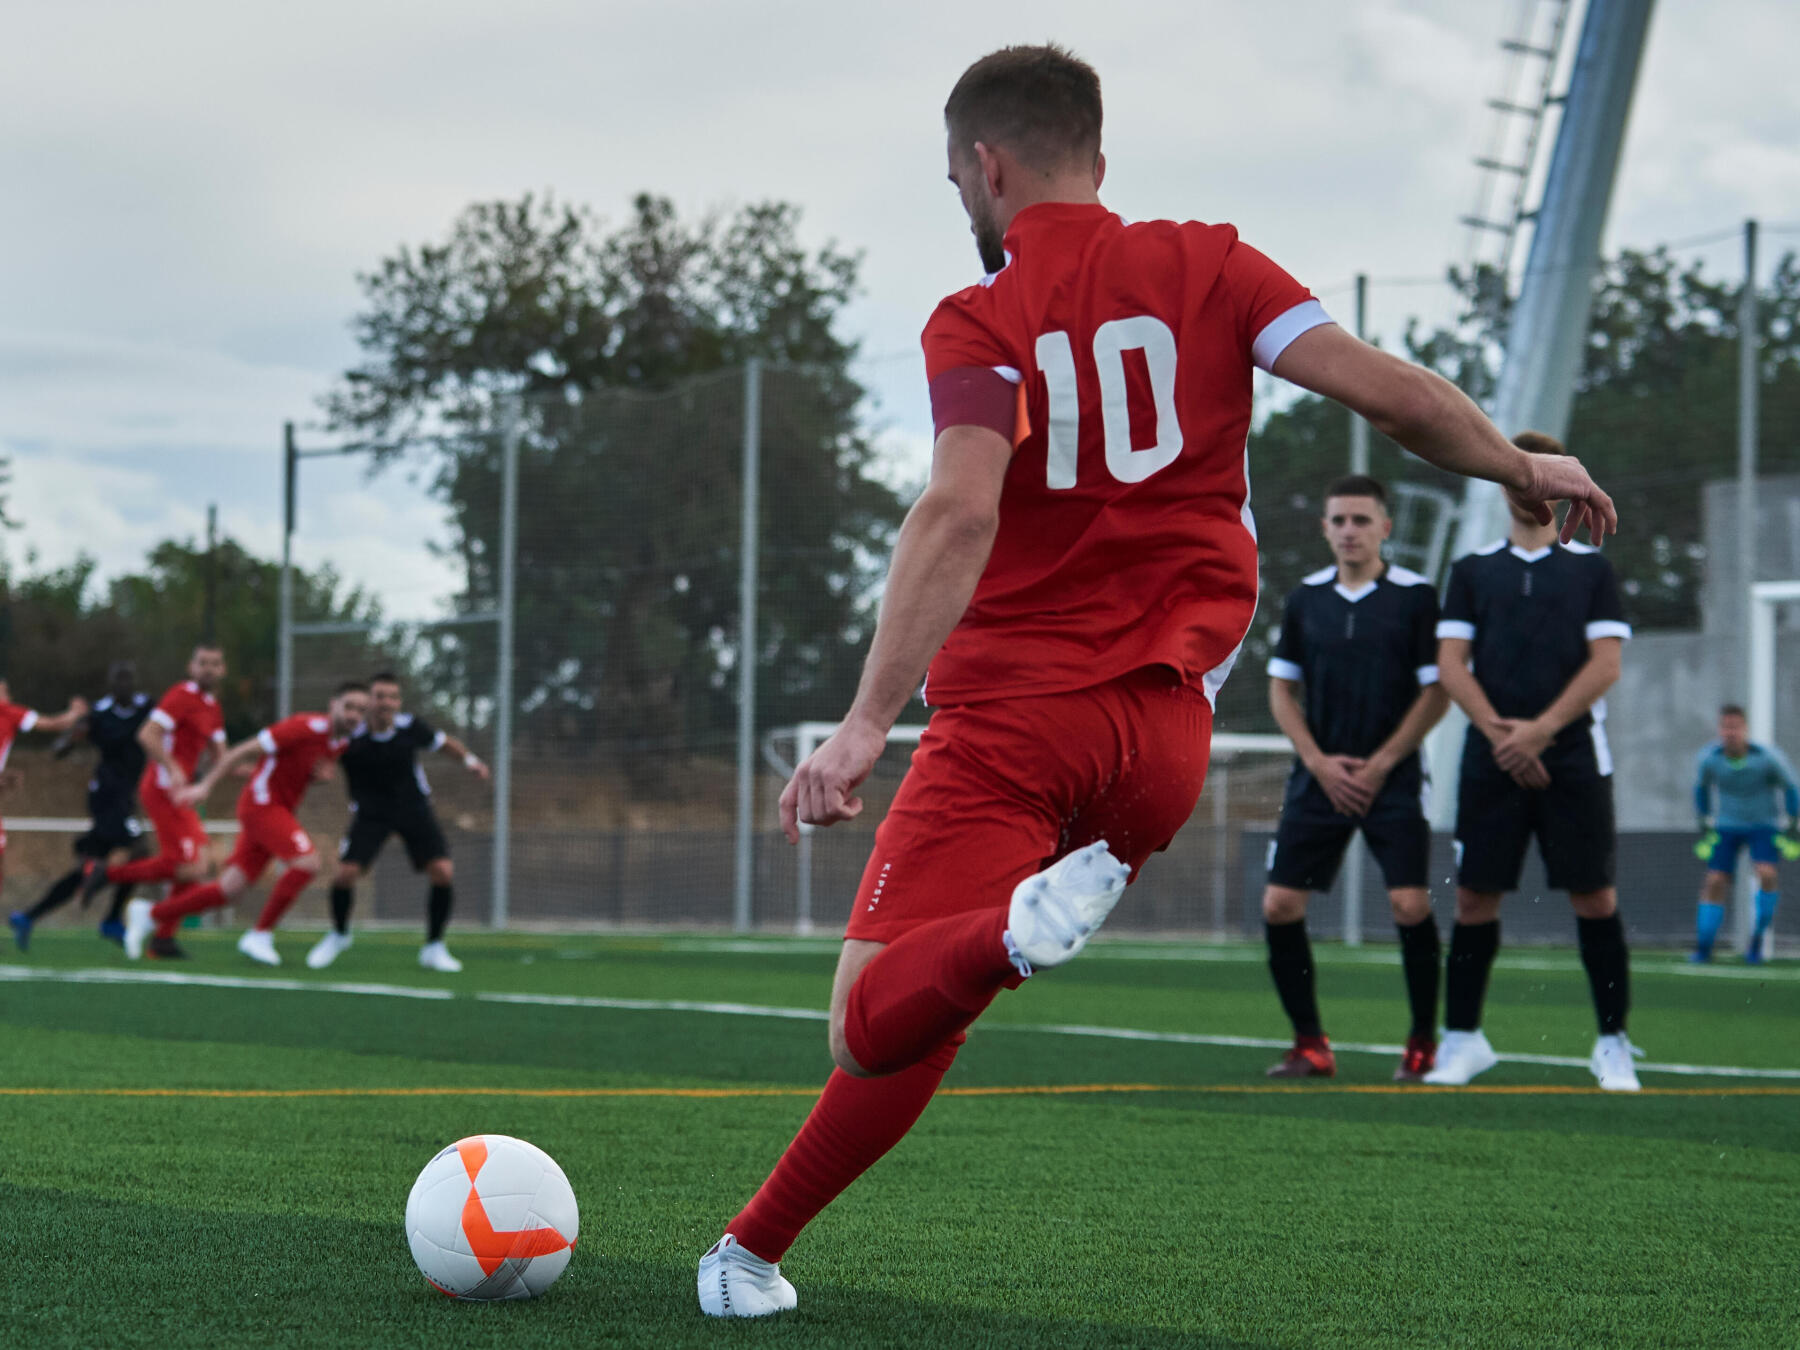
64	720
243	753
1435	420
943	546
470	760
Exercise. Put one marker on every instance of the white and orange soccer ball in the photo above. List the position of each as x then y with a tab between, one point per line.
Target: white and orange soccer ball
492	1217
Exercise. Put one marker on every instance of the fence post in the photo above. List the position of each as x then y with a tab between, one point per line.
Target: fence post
744	844
1359	463
284	639
511	431
1749	392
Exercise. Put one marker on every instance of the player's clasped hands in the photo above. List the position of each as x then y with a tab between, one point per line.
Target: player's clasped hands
1346	787
821	790
1519	746
1558	478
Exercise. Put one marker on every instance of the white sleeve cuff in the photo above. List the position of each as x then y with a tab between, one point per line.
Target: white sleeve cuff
266	741
1605	628
1285	670
1283	329
162	719
1456	628
29	720
437	741
219	736
1428	675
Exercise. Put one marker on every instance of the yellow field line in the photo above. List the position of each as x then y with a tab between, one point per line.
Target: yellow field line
1050	1090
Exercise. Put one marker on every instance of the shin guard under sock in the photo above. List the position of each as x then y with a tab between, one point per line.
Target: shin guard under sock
1604	955
1420	958
1291	963
437	914
855	1121
285	892
1472	950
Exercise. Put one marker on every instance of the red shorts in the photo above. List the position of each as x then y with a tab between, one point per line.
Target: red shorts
267	834
179	831
1000	790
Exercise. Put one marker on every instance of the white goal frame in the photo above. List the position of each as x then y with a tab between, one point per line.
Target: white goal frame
1765	597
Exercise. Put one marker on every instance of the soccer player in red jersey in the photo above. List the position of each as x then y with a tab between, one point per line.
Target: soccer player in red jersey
292	754
1073	586
185	725
15	718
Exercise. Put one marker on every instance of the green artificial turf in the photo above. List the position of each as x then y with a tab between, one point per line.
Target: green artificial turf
1203	1214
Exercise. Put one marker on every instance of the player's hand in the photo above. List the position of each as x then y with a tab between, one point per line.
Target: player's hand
1337	776
480	769
177	779
79	706
820	792
192	793
1561	478
1706	843
1520	741
323	771
1373	776
1532	775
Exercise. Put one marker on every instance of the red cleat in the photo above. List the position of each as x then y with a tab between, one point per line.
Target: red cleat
1311	1057
1420	1056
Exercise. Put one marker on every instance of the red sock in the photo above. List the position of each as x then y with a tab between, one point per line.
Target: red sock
144	871
183	901
286	891
925	987
855	1121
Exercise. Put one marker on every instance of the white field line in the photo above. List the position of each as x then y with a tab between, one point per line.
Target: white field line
109	976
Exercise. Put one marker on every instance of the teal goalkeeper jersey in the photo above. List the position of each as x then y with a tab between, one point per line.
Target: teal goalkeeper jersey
1744	794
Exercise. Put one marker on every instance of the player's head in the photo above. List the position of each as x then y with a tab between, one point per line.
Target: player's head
121	679
384	699
206	667
1021	121
1356	520
1734	730
1534	443
349	705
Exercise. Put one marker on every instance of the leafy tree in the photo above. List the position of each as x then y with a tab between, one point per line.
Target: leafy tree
624	347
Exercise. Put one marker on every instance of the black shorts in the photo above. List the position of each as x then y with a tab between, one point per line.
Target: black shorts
1572	820
114	825
418	831
1310	841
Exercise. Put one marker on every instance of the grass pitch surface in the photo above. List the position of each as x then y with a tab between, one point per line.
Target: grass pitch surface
227	1164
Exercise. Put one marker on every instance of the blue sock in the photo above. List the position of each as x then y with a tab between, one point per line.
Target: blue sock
1765	910
1712	918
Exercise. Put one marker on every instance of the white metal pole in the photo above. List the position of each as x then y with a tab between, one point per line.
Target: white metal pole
511	431
1749	348
748	544
1359	463
1218	787
1760	600
1359	429
284	638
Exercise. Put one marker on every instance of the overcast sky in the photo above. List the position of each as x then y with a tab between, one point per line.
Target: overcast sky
191	187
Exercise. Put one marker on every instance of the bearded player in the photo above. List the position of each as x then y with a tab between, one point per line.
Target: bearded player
290	756
1078	576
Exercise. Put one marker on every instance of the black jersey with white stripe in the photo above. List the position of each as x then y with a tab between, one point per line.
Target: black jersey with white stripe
1529	617
112	729
382	770
1363	655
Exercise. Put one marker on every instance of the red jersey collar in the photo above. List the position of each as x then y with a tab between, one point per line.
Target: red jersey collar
1055	213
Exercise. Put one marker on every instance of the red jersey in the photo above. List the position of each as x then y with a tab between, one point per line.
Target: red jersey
14	718
292	749
1125	535
191	720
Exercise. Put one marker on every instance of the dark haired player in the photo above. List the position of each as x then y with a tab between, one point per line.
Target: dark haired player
389	795
1078	576
111	726
1541	625
1360	637
290	756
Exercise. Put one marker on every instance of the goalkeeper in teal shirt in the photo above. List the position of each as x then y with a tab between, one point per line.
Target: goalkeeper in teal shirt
1740	793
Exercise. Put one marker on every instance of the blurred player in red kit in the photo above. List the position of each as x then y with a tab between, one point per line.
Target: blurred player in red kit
1072	587
290	755
15	718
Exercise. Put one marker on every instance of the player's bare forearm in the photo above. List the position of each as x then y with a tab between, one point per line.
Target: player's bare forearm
1427	711
470	760
156	744
1596	676
241	753
1284	703
62	721
1460	684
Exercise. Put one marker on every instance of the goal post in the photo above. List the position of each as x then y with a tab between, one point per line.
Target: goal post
1765	598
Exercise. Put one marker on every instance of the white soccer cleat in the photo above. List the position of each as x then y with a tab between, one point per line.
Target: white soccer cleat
1461	1055
734	1283
259	946
1611	1063
327	949
434	956
138	927
1055	912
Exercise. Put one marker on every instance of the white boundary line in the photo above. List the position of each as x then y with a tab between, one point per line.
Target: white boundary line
21	974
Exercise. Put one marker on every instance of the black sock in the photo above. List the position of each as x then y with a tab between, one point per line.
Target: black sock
1608	965
58	895
437	912
1420	955
1290	962
1472	948
121	897
342	897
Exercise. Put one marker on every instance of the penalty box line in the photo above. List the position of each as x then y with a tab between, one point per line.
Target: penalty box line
110	975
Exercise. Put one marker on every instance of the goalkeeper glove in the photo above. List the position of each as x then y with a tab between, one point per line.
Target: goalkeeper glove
1704	846
1788	846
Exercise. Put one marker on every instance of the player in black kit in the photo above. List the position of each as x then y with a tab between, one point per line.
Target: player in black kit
1360	638
111	726
1542	624
389	795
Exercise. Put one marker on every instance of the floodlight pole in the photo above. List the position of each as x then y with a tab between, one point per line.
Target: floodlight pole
744	842
511	432
1749	345
284	642
1359	463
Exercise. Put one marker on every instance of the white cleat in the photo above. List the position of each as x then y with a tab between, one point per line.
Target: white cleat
138	927
259	945
734	1283
1056	911
327	949
1461	1055
434	956
1611	1063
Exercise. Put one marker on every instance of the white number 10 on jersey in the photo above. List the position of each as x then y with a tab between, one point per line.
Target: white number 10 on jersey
1056	358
